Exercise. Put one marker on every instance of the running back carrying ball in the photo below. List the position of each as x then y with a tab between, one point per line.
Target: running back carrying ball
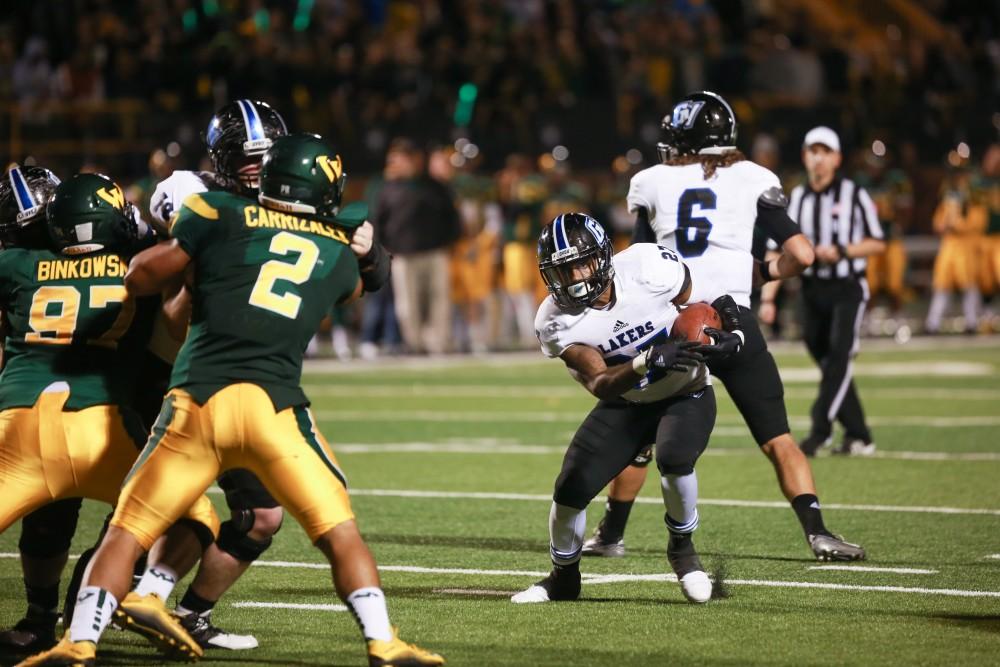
692	322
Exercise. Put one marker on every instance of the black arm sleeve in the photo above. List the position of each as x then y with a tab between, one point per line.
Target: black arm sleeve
643	231
375	268
775	223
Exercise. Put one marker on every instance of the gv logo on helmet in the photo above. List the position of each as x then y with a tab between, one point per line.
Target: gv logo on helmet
115	197
685	113
332	168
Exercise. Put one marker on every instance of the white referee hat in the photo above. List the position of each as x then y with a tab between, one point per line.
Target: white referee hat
822	135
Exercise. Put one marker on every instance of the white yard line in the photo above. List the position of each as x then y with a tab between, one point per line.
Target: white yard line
594	579
506	447
570	391
868	568
575	416
288	605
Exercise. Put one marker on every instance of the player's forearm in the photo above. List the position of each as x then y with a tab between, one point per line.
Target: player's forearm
796	256
864	248
613	382
153	270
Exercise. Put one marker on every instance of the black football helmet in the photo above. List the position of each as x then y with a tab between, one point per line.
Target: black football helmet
699	121
571	242
25	192
238	135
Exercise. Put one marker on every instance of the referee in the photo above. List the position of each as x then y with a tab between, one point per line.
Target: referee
841	221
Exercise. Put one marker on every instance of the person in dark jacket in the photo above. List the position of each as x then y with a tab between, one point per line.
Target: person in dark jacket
416	216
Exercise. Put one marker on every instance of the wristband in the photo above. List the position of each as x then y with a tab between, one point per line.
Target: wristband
639	363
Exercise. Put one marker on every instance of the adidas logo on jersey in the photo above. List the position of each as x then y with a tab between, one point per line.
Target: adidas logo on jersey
619	325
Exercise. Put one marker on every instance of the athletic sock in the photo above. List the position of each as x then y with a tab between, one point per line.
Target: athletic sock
680	498
158	579
368	606
615	519
567	526
806	507
92	614
192	603
43	601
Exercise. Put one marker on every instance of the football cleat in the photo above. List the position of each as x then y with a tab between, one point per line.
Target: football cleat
397	653
855	447
208	636
64	654
560	585
683	558
597	545
812	444
831	547
31	634
146	615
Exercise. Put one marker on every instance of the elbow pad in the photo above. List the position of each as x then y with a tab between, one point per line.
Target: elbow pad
375	268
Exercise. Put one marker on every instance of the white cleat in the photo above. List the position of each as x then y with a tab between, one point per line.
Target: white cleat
532	594
696	586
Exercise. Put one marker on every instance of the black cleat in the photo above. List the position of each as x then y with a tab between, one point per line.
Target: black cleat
812	444
684	561
560	585
827	547
208	636
31	635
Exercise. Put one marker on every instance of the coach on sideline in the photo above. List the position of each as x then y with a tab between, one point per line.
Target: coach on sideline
841	221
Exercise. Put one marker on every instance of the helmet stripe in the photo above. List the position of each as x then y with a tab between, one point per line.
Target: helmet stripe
24	199
560	233
251	120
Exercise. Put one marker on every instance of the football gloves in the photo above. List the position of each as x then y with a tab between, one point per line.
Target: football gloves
725	344
674	356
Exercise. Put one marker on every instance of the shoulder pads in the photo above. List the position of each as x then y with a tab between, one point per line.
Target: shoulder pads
773	197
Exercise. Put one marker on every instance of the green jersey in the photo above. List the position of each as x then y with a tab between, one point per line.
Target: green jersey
263	282
69	319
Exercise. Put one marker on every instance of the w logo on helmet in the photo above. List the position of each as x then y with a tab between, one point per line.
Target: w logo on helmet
685	113
115	196
332	168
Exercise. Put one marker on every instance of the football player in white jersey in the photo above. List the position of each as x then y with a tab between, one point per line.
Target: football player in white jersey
237	137
704	202
608	319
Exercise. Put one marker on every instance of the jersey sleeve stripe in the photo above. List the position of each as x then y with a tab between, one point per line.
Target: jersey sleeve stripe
201	207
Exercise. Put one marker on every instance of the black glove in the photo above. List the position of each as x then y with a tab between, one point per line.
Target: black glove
674	356
726	344
728	312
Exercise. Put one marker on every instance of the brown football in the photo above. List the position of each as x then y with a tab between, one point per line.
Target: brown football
692	320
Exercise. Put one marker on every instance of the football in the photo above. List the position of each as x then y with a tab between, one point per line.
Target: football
690	324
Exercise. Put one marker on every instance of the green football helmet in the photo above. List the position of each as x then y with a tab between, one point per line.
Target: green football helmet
302	173
24	194
89	213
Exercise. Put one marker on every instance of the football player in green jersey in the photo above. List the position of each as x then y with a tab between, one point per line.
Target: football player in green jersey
265	274
47	532
73	334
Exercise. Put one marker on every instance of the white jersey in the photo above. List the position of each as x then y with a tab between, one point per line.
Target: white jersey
173	190
647	279
709	223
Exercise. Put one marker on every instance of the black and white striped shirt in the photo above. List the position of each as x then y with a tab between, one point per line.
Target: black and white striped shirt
842	214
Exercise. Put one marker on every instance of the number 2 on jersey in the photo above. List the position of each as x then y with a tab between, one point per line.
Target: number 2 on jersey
288	303
693	231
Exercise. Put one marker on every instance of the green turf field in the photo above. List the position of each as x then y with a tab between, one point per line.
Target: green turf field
451	467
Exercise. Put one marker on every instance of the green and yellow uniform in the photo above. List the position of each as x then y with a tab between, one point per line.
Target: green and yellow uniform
73	336
892	193
986	194
524	224
263	281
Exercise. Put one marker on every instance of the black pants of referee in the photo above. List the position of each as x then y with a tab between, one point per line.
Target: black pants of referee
833	310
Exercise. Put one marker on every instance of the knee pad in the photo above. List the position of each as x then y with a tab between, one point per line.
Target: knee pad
48	531
681	463
235	541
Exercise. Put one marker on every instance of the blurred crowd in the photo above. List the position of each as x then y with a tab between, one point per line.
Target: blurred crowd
466	124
